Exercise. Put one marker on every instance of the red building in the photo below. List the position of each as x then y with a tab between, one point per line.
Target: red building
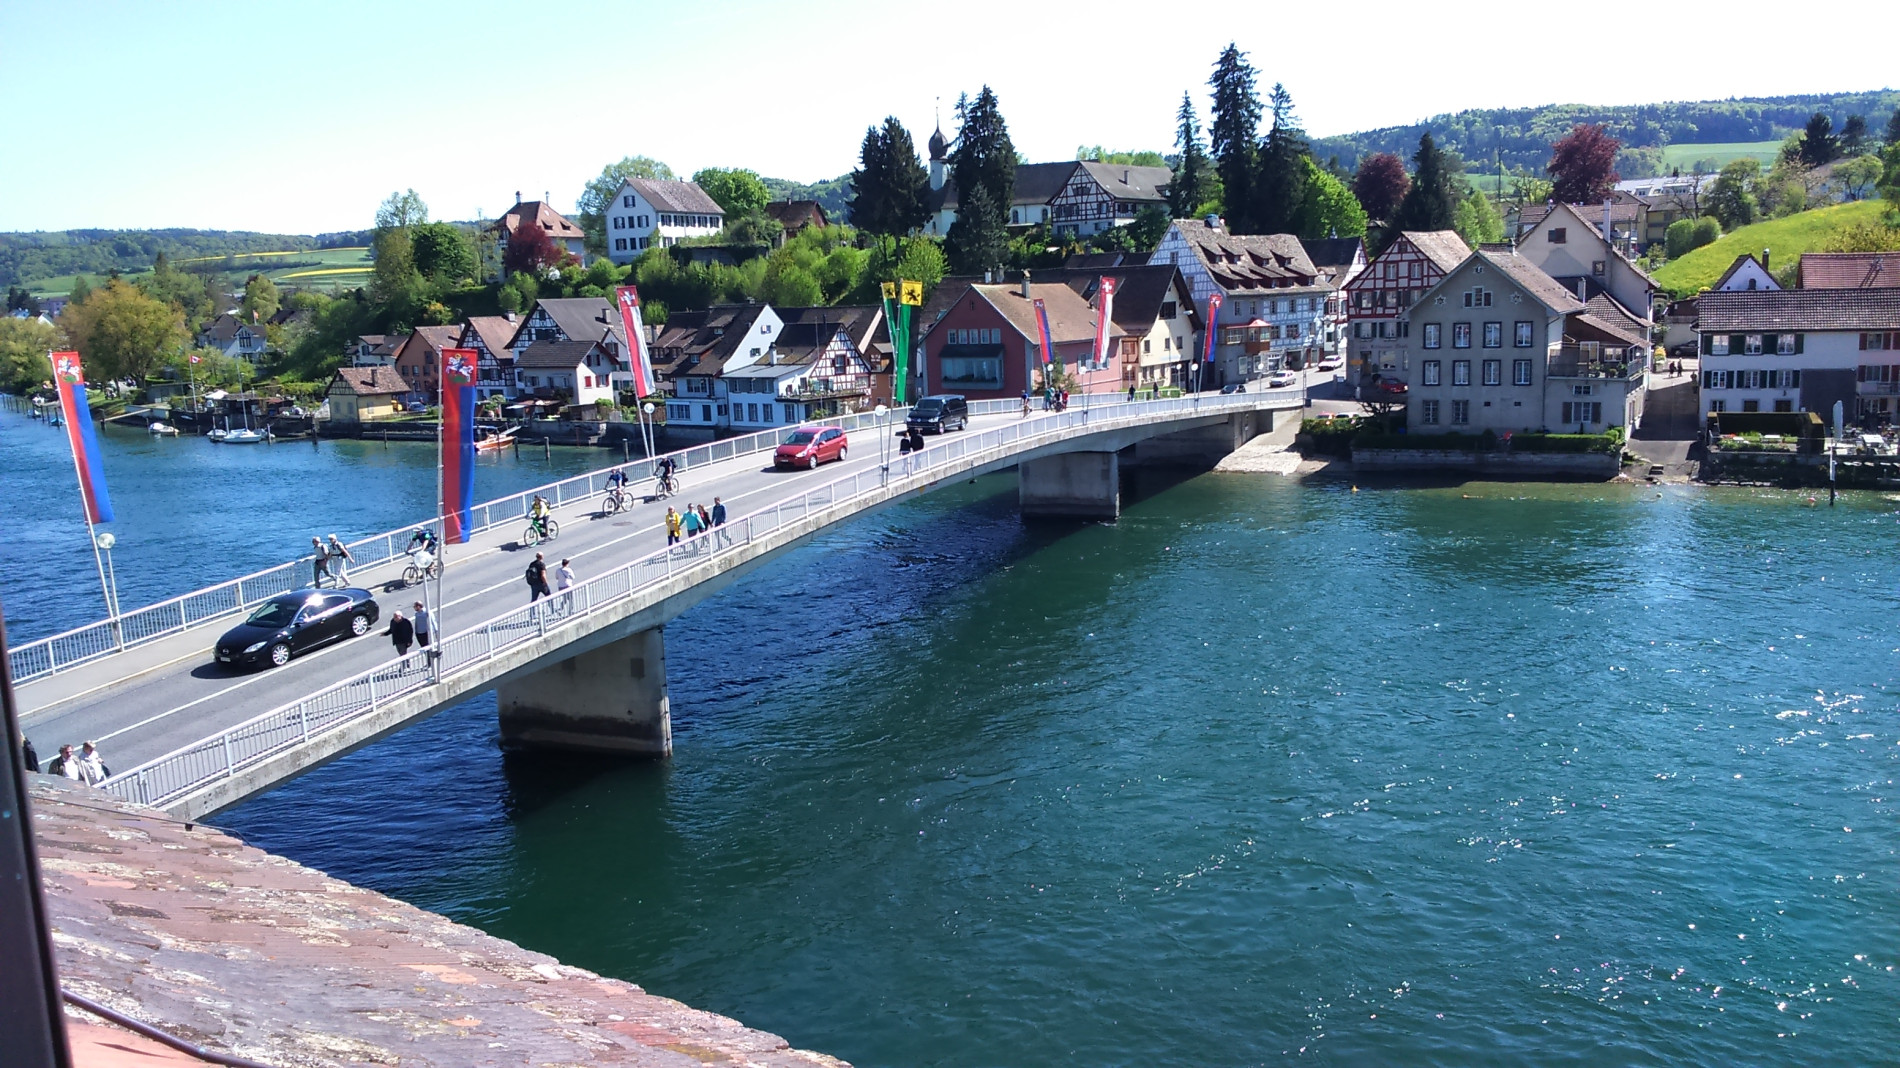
988	344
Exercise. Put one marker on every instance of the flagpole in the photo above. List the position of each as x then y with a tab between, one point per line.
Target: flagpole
85	510
434	653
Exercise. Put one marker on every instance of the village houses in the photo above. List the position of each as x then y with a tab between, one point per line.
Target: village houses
565	235
988	342
1276	308
1377	299
234	337
648	212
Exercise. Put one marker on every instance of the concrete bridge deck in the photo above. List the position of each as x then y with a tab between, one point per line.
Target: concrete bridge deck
186	734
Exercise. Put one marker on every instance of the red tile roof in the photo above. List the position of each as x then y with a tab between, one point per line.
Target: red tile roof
1849	270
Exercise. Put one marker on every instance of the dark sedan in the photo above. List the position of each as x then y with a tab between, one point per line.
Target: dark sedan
293	623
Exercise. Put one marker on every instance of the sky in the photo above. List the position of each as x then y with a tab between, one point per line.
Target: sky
301	116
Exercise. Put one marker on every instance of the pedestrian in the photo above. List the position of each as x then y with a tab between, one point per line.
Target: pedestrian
1025	404
672	526
319	562
537	579
1062	405
420	620
92	765
705	519
402	633
564	581
690	522
719	522
1131	393
66	764
340	559
29	758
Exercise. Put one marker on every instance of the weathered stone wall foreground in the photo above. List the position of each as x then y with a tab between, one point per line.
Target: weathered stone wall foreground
244	952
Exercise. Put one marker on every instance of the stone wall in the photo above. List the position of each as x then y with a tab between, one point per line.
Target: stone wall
1524	465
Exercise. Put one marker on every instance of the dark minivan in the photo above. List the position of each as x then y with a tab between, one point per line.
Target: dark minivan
940	413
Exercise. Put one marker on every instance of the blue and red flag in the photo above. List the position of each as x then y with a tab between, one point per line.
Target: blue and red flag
458	443
1213	322
71	382
1042	331
637	357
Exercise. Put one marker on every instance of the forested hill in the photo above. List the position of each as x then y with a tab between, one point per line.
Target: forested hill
29	258
1523	135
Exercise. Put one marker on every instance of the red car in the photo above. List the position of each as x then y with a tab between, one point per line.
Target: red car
810	446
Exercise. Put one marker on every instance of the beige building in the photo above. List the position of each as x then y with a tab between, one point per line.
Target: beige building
360	395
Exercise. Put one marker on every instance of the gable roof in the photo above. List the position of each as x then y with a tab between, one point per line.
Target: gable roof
495	331
538	213
1247	261
795	215
1443	247
1849	270
675	196
578	318
371	381
225	328
554	355
1334	256
1124	182
1036	183
700	343
1070	317
1528	276
1577	212
1799	309
863	323
1139	293
1744	258
433	338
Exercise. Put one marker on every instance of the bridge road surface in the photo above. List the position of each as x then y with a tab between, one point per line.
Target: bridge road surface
154	698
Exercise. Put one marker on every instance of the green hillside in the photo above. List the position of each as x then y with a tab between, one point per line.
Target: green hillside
46	262
1785	239
1692	157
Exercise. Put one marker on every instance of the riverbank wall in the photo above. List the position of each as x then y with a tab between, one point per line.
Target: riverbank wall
1520	466
189	930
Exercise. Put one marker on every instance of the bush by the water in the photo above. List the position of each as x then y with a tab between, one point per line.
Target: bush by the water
1327	437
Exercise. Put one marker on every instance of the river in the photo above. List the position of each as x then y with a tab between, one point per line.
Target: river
1266	771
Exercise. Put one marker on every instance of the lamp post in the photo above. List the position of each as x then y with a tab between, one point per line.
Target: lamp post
883	440
105	540
646	427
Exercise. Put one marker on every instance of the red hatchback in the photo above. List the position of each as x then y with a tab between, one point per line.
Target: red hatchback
810	446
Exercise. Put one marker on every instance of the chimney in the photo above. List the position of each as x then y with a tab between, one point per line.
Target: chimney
1212	222
1608	235
1764	259
989	276
517	196
1583	293
1025	285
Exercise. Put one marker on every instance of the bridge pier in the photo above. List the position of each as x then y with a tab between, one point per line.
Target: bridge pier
1071	485
1208	445
606	700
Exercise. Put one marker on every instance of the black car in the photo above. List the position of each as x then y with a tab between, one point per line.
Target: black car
1232	388
292	623
940	413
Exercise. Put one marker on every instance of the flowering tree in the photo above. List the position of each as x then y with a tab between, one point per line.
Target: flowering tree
1583	165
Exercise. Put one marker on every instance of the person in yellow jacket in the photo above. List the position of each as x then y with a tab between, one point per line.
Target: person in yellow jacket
672	527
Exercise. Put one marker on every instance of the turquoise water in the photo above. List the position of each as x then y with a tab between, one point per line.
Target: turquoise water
1266	771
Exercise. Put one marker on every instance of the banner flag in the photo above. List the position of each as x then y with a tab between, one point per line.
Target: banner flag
1213	322
1107	302
900	344
1042	331
637	354
71	382
458	443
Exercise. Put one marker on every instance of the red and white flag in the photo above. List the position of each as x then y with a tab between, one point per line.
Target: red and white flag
637	357
1106	308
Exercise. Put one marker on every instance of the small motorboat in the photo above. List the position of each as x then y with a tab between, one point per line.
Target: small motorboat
216	434
496	440
246	436
163	429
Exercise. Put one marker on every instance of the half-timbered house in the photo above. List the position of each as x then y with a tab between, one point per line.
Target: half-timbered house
1101	196
1376	301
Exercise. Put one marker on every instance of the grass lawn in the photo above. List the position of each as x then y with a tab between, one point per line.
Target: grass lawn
63	284
1685	156
1786	239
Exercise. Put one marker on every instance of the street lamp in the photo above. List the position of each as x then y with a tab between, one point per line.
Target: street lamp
883	440
646	430
105	540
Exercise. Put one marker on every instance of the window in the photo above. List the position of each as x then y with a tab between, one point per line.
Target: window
1428	412
979	372
705	413
1521	334
1461	335
1879	341
791	413
1718	406
1751	345
1494	372
1556	236
1751	406
1477	297
1521	372
1596	268
1431	373
1582	391
1784	406
627	201
1583	412
1168	309
1494	335
1460	412
1784	344
1718	345
1461	372
1432	334
752	413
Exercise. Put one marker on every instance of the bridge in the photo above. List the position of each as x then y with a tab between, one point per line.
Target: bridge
586	671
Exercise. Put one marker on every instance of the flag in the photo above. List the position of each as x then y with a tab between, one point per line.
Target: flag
1042	331
195	358
637	356
1213	322
71	382
458	442
1107	292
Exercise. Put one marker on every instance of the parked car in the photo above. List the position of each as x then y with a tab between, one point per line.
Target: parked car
415	407
809	446
1391	385
1332	363
1233	387
940	413
1282	379
296	622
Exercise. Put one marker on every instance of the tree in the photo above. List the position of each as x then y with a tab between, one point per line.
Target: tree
444	252
983	165
892	259
890	184
24	344
22	300
1149	227
1582	165
530	250
1854	141
598	195
1233	128
1329	209
1478	221
260	299
121	331
1890	176
1893	127
978	238
789	285
1380	184
81	290
1142	158
1279	183
1432	202
1188	189
399	211
738	191
1686	235
1858	177
1731	197
1818	147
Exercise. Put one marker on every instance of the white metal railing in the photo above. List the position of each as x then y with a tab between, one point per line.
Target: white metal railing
188	769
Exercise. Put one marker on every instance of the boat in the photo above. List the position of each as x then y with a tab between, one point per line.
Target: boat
216	434
496	439
163	429
246	436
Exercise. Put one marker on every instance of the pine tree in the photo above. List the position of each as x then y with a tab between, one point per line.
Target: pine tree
1432	202
1854	136
888	186
1231	132
983	166
1818	146
1279	185
979	238
1188	188
1893	128
870	184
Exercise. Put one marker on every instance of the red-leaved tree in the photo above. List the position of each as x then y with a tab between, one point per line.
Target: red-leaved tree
1380	184
530	249
1583	165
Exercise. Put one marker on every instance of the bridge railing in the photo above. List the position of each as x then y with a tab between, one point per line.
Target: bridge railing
188	769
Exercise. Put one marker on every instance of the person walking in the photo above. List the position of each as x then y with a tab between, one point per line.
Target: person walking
537	578
564	581
705	519
66	765
719	522
672	526
340	559
402	635
420	620
1025	404
29	757
92	765
319	562
1131	393
689	522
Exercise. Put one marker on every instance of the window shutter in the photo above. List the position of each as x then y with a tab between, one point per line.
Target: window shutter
1708	344
1794	377
1566	418
1798	343
1737	343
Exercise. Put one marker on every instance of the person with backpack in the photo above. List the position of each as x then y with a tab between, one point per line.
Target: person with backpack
340	559
93	765
537	576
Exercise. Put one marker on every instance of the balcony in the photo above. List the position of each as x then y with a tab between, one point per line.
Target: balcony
1877	389
1592	361
823	388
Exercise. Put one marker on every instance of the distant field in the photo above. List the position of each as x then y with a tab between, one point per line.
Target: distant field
63	284
1686	156
1785	239
330	268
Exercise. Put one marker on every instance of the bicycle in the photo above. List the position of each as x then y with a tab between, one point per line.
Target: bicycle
617	500
421	566
535	535
666	486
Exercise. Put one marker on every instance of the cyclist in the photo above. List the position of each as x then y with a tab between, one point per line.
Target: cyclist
663	473
538	513
617	488
423	539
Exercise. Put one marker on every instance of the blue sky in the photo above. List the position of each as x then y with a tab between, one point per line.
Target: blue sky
298	117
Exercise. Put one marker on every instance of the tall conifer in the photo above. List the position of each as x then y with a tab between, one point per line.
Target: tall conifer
1232	129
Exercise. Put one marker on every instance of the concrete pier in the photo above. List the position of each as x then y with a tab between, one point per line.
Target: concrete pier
611	699
1071	485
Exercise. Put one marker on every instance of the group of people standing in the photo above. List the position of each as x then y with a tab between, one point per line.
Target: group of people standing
413	629
697	520
329	564
86	766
